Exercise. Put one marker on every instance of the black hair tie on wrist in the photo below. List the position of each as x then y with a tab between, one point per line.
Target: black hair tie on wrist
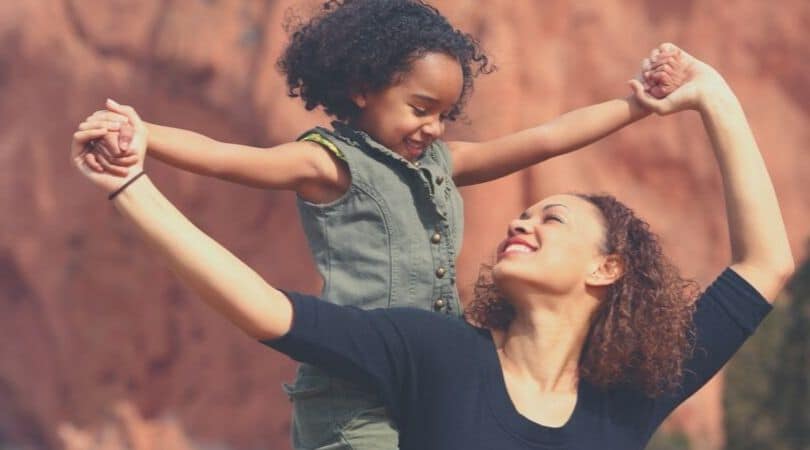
121	189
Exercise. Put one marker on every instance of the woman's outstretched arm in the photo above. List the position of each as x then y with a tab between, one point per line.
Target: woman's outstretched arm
759	245
227	284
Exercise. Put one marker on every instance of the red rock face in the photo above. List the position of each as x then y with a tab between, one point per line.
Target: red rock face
102	348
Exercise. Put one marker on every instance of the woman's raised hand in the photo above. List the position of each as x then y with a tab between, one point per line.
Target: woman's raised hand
94	149
686	81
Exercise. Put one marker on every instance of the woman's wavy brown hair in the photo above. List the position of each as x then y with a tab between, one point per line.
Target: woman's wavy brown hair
642	332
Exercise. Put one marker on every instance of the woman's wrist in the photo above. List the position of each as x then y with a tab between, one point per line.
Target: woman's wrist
126	184
718	100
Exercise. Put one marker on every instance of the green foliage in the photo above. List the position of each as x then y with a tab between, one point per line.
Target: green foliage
767	392
668	441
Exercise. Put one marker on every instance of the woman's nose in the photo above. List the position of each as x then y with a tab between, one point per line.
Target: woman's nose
517	226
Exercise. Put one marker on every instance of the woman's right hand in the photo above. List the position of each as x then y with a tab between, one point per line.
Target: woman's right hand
89	159
701	82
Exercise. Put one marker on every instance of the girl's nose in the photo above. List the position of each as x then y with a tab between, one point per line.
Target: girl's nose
434	128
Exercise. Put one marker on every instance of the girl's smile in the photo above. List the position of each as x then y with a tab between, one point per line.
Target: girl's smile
409	115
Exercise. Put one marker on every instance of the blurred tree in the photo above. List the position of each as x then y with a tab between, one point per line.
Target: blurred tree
663	440
767	390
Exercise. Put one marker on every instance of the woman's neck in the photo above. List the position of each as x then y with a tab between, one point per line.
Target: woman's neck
543	346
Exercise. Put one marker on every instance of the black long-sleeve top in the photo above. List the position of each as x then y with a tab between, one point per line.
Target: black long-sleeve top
443	385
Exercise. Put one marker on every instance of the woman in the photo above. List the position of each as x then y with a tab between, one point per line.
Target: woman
563	356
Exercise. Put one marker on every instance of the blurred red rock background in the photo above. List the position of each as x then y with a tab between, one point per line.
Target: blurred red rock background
101	348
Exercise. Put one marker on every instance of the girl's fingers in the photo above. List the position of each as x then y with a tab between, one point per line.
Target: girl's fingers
103	148
667	61
646	65
125	135
126	111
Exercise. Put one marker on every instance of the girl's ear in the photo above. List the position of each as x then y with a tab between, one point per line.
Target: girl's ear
610	270
359	99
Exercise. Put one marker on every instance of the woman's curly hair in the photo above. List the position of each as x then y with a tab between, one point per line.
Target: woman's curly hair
642	331
355	45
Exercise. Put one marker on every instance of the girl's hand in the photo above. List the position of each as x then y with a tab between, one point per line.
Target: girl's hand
670	73
691	81
107	157
93	160
110	150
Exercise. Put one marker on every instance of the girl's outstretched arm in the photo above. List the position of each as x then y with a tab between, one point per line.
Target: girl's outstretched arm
227	284
760	250
303	167
480	162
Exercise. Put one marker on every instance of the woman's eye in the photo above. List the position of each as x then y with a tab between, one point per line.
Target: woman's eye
554	218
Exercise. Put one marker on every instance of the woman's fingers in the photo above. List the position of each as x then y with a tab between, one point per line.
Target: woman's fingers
127	160
110	168
104	114
90	160
96	123
85	136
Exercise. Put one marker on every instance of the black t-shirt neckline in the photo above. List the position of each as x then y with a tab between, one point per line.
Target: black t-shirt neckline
512	421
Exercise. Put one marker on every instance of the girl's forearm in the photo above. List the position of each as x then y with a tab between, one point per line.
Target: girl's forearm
576	129
227	284
478	163
186	149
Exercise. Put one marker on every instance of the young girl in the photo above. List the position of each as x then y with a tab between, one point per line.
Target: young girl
377	194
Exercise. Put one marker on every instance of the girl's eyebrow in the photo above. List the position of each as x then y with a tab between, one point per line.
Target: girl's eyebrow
425	97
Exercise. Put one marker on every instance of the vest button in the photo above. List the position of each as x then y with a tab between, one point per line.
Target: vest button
436	238
417	163
440	272
439	180
439	304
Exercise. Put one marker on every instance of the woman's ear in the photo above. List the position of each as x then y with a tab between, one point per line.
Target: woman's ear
607	272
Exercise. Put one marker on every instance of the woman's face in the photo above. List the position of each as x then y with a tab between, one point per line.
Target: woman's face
409	115
554	247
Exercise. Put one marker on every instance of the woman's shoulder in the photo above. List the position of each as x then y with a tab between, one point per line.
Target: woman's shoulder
432	327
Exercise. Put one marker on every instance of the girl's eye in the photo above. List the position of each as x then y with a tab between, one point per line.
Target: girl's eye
419	111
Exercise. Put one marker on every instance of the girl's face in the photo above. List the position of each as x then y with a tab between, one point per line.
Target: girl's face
409	115
554	247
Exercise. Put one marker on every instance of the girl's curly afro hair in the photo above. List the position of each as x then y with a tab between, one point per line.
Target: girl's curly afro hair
642	331
364	45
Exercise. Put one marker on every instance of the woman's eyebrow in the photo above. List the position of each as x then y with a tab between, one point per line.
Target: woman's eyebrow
553	205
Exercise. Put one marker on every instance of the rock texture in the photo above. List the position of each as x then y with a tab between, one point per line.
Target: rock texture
102	349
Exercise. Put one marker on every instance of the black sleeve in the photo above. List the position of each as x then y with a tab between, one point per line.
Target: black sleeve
373	347
726	314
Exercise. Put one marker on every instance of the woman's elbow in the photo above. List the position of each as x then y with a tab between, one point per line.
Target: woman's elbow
785	269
